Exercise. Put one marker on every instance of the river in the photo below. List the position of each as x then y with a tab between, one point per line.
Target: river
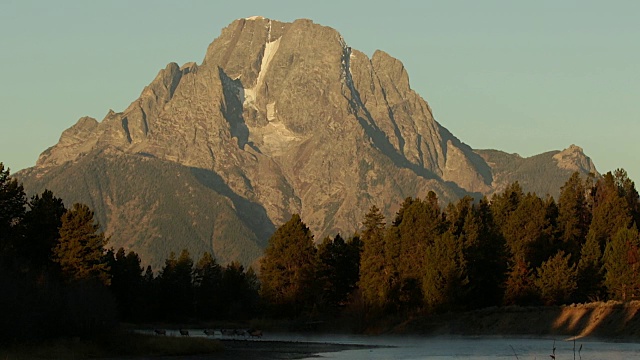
451	347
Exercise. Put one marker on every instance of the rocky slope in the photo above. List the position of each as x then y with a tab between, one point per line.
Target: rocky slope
279	118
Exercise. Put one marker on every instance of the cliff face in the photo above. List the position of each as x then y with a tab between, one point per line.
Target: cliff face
286	117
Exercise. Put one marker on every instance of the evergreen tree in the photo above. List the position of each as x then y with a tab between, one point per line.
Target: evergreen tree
444	276
422	223
80	250
126	282
502	205
622	264
574	215
287	271
207	283
373	283
590	273
484	249
557	279
41	226
176	286
627	190
611	211
520	285
339	263
12	210
528	232
240	292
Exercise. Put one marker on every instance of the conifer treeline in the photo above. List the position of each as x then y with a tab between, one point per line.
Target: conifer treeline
514	249
62	279
59	278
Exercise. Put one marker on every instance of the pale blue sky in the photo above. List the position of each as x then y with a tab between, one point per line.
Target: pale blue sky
520	76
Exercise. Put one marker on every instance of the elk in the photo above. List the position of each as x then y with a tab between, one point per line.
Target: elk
209	332
184	332
227	332
160	331
255	333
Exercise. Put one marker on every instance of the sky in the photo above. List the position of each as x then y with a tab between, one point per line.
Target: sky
523	77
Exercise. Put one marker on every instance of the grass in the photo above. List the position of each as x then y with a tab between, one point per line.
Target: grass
113	345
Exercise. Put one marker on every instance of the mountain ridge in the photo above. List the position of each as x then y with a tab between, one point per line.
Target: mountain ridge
288	118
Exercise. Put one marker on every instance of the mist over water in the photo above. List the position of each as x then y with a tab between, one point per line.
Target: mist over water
411	347
476	348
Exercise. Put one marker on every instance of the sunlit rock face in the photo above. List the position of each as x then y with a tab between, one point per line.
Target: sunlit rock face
279	118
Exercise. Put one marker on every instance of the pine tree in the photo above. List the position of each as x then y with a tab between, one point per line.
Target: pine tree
287	270
520	285
126	282
622	265
80	250
207	283
484	249
373	283
176	286
590	274
611	211
444	276
557	279
339	269
42	225
12	210
574	215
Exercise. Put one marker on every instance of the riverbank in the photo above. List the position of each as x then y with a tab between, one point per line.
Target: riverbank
612	321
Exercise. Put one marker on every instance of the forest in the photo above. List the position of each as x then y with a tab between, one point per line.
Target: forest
59	276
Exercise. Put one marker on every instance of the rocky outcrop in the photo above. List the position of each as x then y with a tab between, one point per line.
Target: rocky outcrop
288	117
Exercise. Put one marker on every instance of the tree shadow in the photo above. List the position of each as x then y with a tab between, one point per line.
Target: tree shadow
606	320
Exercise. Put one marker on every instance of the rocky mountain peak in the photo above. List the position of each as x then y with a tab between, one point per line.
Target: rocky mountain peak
279	118
573	158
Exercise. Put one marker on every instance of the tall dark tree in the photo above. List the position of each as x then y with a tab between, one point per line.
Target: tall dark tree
520	286
485	252
422	223
339	270
374	275
590	271
240	292
557	280
12	210
444	274
41	226
126	282
627	190
287	271
207	286
176	286
528	232
574	215
611	211
622	264
502	205
81	248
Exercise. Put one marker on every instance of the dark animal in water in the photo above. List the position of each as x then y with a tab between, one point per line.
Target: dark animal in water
209	332
160	331
255	333
184	332
227	332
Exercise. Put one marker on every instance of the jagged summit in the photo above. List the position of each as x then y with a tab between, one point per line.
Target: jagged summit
279	118
574	159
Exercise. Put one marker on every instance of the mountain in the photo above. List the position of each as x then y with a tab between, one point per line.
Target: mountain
279	118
